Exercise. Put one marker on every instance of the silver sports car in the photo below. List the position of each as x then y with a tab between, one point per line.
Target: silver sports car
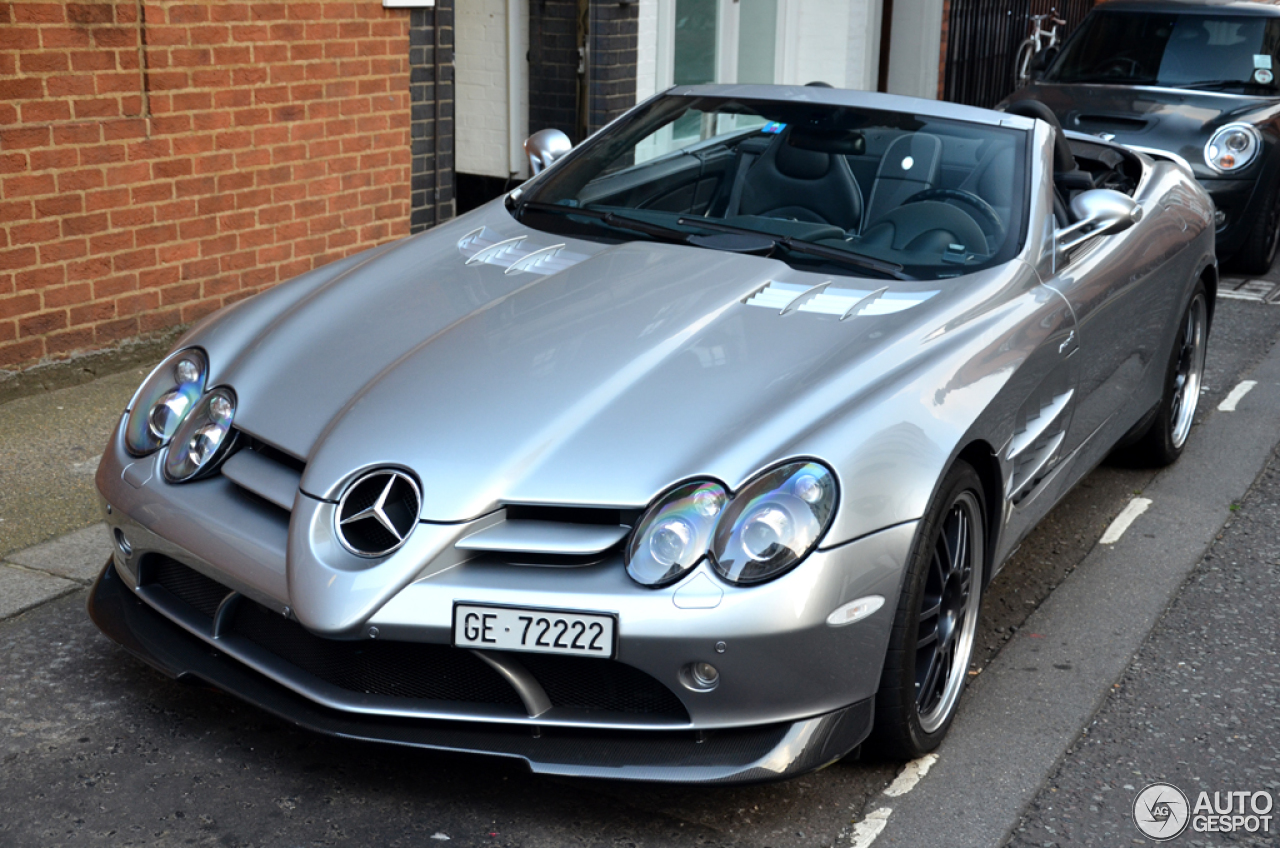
687	460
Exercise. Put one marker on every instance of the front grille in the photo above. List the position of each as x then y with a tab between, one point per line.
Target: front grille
398	669
588	683
186	584
417	670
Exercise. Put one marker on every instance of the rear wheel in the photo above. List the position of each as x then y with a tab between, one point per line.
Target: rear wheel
1166	436
927	663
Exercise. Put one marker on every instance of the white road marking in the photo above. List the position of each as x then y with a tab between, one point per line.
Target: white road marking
1136	507
866	831
910	776
1229	402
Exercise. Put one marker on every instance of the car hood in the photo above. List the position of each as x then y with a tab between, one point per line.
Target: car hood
1167	119
597	381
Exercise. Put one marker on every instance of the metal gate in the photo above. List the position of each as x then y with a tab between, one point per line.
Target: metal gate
982	41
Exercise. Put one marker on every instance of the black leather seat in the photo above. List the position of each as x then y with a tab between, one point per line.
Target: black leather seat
910	165
802	185
928	226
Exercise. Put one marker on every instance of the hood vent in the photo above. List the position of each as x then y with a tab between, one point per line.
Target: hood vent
516	255
1110	122
827	300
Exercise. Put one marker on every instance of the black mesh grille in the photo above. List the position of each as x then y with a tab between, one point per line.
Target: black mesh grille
187	585
368	536
399	669
591	684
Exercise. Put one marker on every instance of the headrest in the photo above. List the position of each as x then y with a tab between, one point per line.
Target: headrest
1062	158
801	164
913	157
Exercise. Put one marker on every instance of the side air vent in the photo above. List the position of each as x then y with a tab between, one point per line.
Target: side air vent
1033	450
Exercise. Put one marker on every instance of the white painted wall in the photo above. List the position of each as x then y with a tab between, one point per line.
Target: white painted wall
815	41
914	44
490	67
862	67
837	41
647	50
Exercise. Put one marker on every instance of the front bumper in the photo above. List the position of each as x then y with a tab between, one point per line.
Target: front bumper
739	755
1241	202
210	582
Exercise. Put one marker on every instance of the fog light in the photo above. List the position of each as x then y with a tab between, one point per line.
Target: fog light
1219	218
123	543
700	676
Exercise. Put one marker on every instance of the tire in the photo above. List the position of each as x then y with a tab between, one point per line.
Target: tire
1022	64
1259	249
1165	437
927	663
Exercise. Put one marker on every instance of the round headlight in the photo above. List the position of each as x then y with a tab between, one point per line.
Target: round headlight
1232	147
774	522
674	535
203	438
164	400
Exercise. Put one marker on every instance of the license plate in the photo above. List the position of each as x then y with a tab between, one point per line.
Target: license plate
536	630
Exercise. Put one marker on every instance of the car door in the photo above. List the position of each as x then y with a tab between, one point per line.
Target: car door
1124	289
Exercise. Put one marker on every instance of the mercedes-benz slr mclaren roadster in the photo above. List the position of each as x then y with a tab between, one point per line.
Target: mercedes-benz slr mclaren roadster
687	460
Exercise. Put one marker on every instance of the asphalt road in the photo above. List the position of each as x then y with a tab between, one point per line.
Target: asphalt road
98	749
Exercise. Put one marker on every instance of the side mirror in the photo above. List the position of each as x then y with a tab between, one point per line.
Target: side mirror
545	147
1098	212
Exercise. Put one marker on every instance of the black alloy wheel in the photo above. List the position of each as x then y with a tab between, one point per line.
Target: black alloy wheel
927	663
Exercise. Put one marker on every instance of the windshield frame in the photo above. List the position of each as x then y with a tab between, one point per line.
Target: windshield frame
592	162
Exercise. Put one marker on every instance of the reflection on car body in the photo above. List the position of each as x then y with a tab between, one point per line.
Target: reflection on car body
688	460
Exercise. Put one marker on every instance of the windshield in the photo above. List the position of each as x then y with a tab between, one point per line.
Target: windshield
1218	52
838	189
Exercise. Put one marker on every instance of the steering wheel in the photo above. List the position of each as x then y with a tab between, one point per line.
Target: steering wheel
988	218
1120	66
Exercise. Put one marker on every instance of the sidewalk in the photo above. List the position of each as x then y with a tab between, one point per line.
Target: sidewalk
52	540
1196	708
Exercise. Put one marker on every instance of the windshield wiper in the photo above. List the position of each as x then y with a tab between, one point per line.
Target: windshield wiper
675	236
793	245
613	219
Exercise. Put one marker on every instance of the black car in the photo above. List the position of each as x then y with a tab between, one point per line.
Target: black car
1196	78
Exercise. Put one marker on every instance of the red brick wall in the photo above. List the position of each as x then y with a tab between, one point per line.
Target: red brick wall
157	166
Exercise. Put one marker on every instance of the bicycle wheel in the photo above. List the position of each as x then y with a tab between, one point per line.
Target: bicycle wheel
1022	64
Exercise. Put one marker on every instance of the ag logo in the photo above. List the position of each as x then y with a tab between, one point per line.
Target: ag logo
1161	811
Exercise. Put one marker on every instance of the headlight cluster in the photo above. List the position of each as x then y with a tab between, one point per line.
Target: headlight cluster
774	522
173	408
1232	147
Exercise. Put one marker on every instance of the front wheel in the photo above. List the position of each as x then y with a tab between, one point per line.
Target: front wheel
927	663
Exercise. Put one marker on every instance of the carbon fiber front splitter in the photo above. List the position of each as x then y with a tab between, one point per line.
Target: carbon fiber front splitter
743	755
